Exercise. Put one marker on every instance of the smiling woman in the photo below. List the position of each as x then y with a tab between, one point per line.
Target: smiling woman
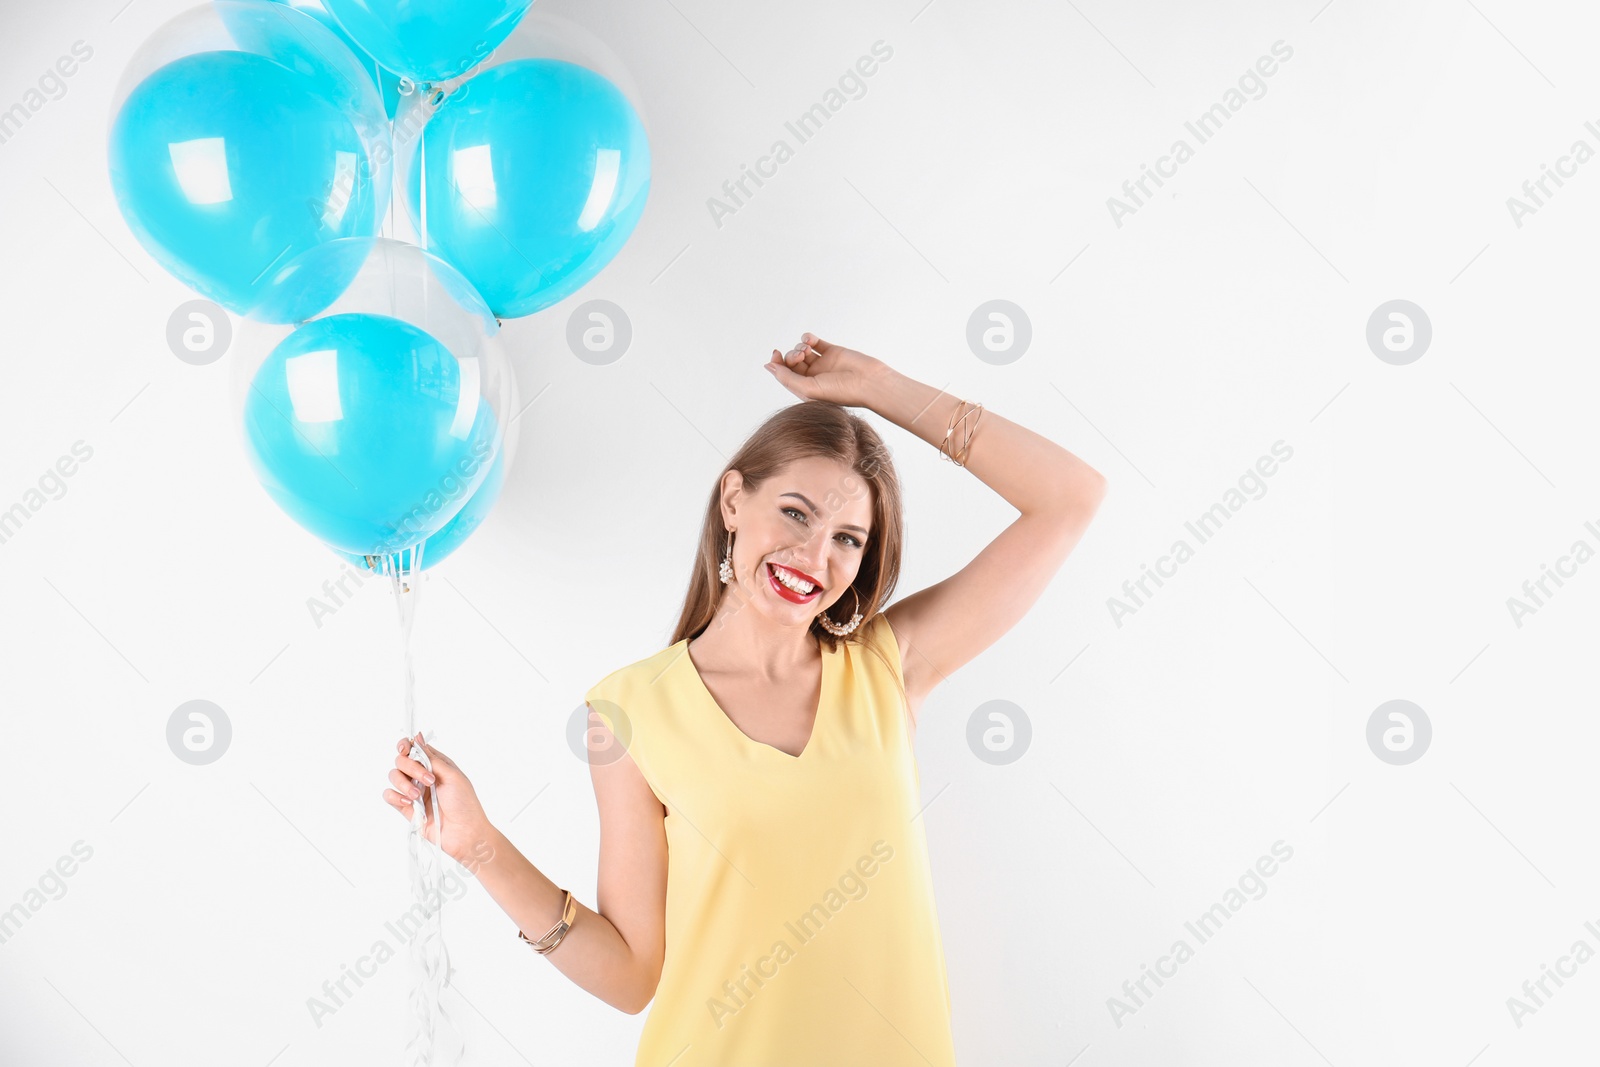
769	746
804	496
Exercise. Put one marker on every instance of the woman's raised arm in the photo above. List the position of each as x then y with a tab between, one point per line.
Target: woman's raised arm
946	625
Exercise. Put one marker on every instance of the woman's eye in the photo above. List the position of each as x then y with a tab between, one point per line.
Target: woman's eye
853	540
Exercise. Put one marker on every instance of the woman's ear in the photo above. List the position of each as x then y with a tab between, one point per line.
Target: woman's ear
732	490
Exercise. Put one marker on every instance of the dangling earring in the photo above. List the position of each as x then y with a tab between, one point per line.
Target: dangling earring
725	571
836	629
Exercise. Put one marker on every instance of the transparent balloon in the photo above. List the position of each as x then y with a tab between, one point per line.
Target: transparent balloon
387	81
428	41
452	535
241	134
441	545
537	164
373	393
541	34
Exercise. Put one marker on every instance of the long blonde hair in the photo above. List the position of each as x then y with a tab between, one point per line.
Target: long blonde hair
800	431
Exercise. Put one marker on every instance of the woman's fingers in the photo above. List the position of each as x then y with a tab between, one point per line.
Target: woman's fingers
403	806
434	754
805	352
414	769
404	775
810	347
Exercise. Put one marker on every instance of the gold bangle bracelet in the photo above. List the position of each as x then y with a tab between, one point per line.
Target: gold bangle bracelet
552	937
949	430
966	442
966	408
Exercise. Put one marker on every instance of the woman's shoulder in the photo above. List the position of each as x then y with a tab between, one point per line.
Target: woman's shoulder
636	677
880	634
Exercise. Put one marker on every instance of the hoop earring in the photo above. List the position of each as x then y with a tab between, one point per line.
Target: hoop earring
838	629
725	571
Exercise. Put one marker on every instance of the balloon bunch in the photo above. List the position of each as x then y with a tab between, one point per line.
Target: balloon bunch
253	148
258	147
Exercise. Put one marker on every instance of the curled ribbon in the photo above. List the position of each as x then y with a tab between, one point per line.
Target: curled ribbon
432	1028
434	1037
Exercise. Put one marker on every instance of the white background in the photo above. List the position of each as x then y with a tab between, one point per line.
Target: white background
1169	752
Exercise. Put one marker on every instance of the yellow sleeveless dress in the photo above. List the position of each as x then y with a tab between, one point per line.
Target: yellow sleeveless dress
801	929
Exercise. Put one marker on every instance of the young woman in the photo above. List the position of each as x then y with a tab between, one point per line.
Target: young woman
764	876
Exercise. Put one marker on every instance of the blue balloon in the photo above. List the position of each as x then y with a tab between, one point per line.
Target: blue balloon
538	171
387	82
357	428
225	163
307	285
455	532
429	41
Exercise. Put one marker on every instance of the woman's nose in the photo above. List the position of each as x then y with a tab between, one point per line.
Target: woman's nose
806	559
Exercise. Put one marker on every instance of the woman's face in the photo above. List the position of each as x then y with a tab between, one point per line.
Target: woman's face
810	524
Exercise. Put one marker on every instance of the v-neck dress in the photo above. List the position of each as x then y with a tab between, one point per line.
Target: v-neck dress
801	928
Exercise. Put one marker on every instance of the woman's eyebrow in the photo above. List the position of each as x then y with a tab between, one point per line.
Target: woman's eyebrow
814	511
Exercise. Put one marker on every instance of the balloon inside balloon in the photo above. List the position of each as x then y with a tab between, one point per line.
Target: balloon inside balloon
368	431
429	41
243	135
386	81
439	546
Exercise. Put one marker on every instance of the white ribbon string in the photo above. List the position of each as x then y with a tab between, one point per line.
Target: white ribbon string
434	1037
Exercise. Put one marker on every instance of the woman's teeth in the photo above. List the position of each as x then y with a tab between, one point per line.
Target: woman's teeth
801	587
